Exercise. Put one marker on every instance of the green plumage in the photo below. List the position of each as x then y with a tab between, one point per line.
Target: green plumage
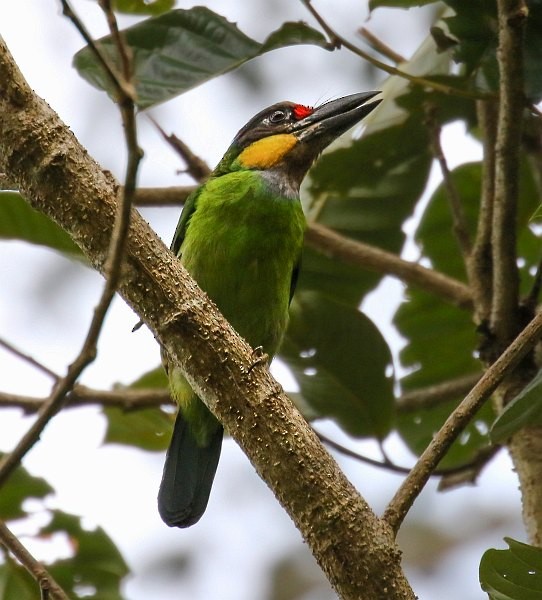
240	236
242	243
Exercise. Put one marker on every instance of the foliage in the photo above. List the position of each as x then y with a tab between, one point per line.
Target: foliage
513	574
368	190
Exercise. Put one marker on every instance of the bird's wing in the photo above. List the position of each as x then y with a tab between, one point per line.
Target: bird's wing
188	211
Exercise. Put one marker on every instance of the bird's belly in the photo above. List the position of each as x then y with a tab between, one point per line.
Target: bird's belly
251	291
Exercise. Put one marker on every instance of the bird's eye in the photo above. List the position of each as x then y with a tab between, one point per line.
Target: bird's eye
277	116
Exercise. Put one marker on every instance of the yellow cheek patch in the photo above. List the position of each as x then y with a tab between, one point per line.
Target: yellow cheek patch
266	152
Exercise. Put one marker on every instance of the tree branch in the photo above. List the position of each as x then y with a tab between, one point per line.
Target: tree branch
337	41
58	177
171	196
49	587
127	399
459	219
481	261
505	307
357	253
434	395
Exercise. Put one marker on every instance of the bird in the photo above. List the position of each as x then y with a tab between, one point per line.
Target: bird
240	236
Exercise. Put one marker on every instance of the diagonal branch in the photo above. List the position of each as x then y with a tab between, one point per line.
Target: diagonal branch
58	177
357	253
49	587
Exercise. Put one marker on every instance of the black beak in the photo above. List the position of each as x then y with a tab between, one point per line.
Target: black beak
333	118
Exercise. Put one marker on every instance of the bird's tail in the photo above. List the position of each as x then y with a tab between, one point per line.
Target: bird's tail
188	475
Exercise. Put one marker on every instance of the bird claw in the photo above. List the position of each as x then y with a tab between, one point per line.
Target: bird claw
259	358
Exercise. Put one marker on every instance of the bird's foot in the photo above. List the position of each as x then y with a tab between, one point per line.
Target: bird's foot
259	358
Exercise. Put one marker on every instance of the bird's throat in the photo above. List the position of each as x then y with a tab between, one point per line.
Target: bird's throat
266	152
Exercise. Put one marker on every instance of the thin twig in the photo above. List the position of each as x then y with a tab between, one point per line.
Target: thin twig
337	40
504	311
480	265
388	465
124	88
126	399
458	420
29	359
378	45
435	395
195	165
459	220
48	586
171	196
112	271
369	257
125	53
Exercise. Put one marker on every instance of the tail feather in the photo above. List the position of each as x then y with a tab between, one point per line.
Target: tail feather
188	475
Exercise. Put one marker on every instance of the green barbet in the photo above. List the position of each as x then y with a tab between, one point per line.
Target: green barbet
240	236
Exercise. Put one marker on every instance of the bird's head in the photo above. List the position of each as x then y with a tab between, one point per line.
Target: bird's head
288	137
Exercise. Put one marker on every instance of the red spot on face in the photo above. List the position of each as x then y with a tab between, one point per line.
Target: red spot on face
300	111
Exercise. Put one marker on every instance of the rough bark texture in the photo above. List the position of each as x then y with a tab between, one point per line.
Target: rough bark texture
354	548
525	446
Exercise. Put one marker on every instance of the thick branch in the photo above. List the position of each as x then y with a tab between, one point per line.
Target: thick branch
504	311
354	548
357	253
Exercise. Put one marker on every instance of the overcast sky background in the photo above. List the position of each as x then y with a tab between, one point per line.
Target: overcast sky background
46	306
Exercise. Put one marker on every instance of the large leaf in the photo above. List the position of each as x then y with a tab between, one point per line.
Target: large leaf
149	428
181	49
18	221
524	410
96	565
513	574
20	486
440	344
441	339
16	582
475	27
365	191
342	364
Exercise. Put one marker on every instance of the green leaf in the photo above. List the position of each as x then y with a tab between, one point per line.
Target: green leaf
177	51
19	221
366	192
156	379
341	362
21	486
440	343
475	27
524	410
96	565
143	7
149	428
513	574
16	582
441	339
